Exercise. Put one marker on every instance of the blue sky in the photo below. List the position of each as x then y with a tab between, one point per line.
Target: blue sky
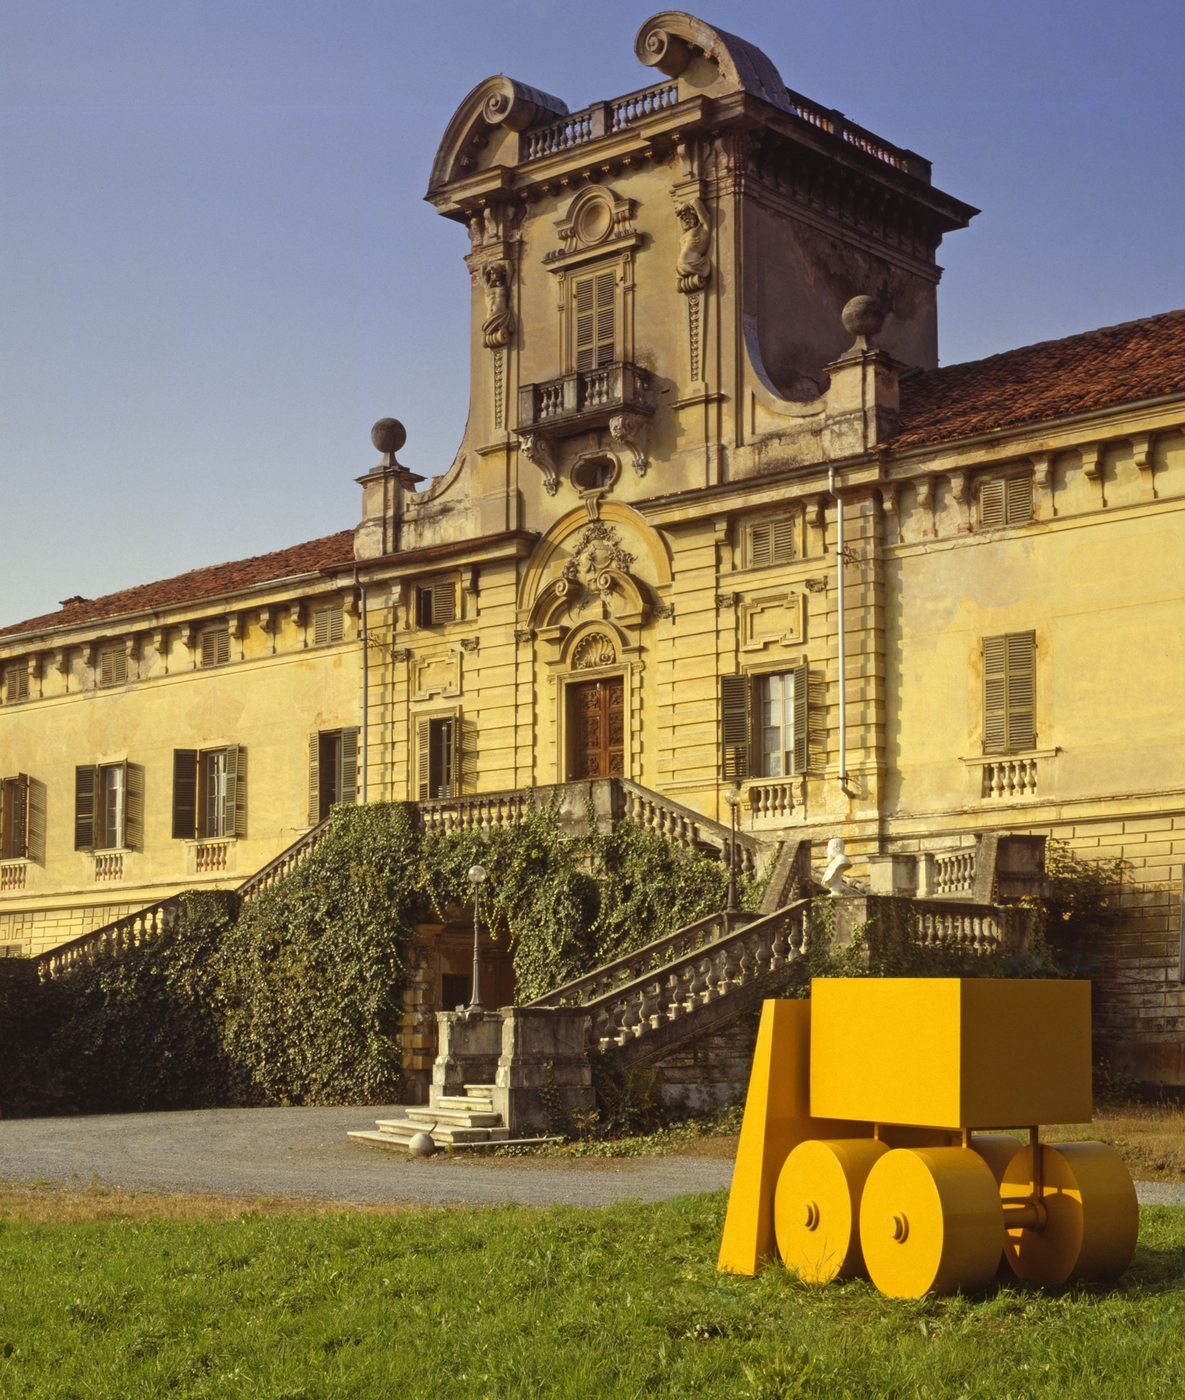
217	269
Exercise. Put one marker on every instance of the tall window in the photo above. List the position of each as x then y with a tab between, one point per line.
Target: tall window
1009	692
436	603
764	724
437	745
108	806
333	771
593	321
209	793
14	817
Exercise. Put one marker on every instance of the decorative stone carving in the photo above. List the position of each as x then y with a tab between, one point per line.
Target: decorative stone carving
587	579
522	635
470	643
629	429
499	325
693	264
537	448
816	585
594	650
596	216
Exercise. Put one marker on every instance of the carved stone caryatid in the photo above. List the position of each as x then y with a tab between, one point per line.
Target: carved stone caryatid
693	265
499	324
537	448
629	429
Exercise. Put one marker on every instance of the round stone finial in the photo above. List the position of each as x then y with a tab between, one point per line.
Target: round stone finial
863	316
388	435
421	1145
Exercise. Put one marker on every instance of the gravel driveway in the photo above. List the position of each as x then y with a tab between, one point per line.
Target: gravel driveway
304	1153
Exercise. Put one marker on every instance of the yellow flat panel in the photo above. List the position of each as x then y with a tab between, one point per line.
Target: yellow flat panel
951	1052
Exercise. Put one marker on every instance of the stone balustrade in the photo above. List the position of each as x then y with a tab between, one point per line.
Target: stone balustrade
285	863
131	931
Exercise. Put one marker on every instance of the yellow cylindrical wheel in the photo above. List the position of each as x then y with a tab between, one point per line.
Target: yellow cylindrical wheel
931	1220
1091	1218
997	1150
817	1207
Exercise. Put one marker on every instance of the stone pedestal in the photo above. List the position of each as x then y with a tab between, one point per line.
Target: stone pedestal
468	1051
541	1046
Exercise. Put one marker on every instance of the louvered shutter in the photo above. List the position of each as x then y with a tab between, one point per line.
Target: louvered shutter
585	323
1021	667
208	648
230	792
444	602
606	331
349	792
1018	499
321	627
423	754
86	783
185	781
991	504
734	726
18	820
37	796
113	667
314	779
240	826
222	652
6	799
782	539
133	806
760	540
995	695
801	681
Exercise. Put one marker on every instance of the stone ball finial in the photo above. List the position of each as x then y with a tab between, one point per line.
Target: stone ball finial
388	435
863	315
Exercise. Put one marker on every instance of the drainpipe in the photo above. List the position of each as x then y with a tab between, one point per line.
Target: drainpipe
842	636
365	686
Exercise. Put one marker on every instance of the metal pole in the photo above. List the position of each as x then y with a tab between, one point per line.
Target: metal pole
365	690
732	862
841	638
475	999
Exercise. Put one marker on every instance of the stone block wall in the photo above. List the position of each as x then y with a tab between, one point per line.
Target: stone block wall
712	1070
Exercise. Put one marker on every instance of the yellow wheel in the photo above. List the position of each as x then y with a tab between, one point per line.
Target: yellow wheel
997	1150
817	1207
1088	1219
931	1220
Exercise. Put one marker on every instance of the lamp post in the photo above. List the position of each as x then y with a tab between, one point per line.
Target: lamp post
477	876
733	797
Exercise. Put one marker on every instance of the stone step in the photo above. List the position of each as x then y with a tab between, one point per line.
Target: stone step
458	1103
459	1117
480	1091
399	1132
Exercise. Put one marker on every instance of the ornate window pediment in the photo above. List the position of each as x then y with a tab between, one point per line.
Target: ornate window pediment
598	220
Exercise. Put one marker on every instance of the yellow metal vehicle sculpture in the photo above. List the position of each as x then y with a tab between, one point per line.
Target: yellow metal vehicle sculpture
873	1138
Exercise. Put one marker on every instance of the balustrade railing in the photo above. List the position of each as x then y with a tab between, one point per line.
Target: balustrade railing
980	929
1010	777
689	828
286	862
12	876
485	811
762	949
109	866
211	856
646	103
953	872
578	128
131	931
770	800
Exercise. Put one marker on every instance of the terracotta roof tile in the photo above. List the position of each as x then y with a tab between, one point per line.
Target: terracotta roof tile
1058	378
327	553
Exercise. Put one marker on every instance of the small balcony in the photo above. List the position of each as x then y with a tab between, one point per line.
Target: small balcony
583	400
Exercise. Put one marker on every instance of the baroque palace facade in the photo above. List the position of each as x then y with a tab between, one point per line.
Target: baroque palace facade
717	516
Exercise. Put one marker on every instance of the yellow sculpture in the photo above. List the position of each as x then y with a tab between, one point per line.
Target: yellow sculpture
867	1142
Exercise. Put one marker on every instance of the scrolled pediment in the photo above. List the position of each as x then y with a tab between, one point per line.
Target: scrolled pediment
498	101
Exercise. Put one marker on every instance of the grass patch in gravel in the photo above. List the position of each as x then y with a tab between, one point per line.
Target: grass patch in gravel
512	1303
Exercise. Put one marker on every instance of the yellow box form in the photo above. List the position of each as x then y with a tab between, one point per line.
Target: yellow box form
950	1052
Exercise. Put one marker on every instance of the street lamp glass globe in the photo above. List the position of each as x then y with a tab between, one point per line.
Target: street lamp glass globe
732	796
476	874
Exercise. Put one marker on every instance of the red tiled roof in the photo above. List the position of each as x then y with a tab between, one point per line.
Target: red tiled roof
330	552
1058	378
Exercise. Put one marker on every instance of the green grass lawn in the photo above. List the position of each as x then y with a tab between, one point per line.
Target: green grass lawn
521	1303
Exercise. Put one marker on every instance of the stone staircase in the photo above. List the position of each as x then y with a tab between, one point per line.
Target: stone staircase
455	1120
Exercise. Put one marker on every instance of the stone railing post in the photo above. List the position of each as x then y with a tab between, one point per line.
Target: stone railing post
541	1045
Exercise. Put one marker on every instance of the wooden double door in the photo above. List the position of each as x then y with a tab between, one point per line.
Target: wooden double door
596	719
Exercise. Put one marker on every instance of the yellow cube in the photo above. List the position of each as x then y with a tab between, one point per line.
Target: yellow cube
951	1052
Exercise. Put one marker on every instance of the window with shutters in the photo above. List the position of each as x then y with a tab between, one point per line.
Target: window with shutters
109	807
1009	693
113	666
764	725
209	793
436	603
770	542
14	817
437	757
16	683
1005	501
328	626
333	771
594	320
215	646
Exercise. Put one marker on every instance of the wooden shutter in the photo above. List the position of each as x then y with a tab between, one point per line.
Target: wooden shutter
230	792
444	602
16	835
1009	692
991	504
185	781
240	826
86	785
760	541
349	792
314	779
216	647
16	684
1018	499
37	797
801	739
1021	662
327	626
734	726
113	666
782	541
423	755
584	319
606	330
133	806
6	800
771	542
594	320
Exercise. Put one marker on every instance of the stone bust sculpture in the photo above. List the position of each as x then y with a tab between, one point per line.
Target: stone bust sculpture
693	265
